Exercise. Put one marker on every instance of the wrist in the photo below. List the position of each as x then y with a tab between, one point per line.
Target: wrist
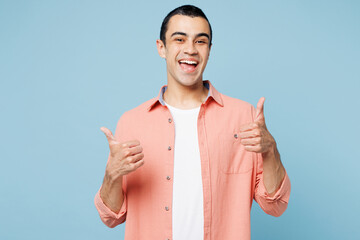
272	153
110	180
109	185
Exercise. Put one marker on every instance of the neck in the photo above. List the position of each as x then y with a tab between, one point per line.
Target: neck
185	97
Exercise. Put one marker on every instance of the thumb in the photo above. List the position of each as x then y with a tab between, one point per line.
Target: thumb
108	134
260	110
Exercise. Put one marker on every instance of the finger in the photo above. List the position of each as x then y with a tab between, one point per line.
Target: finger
108	134
135	158
133	150
251	141
260	109
138	164
130	144
250	134
248	127
256	149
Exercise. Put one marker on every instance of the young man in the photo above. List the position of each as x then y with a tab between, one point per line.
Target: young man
188	163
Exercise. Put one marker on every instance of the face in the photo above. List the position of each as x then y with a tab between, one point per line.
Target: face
187	49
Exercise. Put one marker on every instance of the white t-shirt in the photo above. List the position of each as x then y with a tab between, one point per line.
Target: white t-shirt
188	210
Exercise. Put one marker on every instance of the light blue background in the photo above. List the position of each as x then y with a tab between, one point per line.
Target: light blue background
69	67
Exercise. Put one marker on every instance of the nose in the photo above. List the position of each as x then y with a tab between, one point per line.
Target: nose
190	48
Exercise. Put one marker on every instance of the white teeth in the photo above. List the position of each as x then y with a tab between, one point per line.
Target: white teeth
188	62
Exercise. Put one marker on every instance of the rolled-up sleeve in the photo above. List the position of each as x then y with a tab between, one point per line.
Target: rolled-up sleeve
273	205
108	217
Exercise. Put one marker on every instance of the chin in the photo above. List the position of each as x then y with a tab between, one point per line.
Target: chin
189	82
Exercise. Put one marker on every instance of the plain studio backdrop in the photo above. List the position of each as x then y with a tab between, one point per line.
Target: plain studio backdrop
69	67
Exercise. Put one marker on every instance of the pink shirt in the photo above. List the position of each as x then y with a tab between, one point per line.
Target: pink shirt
232	177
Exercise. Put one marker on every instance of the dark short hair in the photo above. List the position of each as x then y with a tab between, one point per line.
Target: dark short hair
185	10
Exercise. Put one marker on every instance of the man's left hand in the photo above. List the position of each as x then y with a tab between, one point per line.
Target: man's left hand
254	136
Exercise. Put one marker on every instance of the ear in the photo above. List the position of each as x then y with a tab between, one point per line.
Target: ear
161	48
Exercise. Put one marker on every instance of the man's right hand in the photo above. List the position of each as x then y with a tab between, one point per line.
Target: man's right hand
124	158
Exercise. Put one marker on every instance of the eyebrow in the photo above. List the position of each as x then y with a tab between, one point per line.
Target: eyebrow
197	35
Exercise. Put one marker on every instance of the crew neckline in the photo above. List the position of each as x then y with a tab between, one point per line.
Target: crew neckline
172	108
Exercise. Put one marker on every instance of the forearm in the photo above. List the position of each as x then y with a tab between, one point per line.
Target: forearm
273	170
111	194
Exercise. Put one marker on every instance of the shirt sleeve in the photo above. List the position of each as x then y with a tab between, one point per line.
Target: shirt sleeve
108	217
276	204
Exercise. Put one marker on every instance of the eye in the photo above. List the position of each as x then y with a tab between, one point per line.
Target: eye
201	41
179	40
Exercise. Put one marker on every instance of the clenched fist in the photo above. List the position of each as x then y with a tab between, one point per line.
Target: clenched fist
255	136
124	158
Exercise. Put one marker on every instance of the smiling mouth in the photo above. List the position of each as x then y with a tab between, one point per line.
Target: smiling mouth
188	66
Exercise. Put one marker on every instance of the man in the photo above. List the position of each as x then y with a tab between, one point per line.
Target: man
188	163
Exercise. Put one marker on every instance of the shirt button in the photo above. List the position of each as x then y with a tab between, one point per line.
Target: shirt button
168	177
235	135
169	120
167	208
169	148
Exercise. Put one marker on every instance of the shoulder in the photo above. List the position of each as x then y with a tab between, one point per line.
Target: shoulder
237	108
234	102
131	120
137	112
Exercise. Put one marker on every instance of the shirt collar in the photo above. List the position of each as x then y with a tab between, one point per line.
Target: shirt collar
213	94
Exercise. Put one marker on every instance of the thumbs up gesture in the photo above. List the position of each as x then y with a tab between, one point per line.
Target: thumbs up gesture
124	158
254	136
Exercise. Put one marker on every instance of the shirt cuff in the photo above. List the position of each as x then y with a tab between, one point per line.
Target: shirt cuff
282	193
106	212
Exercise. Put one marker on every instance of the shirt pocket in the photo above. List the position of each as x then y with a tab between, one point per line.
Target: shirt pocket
234	159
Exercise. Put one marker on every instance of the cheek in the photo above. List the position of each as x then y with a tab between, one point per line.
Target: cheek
173	50
205	60
205	54
170	56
